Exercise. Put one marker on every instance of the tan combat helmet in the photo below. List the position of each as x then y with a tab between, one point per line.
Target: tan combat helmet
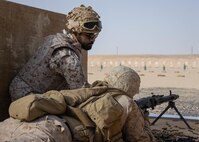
124	78
83	19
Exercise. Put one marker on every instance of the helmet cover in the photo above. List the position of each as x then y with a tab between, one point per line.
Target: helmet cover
124	78
83	19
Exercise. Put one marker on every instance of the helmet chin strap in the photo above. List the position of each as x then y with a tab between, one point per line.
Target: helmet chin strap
74	37
86	47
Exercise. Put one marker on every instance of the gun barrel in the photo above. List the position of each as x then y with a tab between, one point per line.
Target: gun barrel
152	101
168	98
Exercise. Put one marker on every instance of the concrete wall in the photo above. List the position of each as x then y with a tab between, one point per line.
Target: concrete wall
22	29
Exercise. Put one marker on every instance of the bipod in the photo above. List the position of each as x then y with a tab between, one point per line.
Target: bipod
171	104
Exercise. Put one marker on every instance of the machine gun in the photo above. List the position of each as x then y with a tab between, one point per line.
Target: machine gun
154	100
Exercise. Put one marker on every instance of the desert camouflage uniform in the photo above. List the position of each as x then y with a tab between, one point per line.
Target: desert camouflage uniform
131	122
55	66
136	127
48	128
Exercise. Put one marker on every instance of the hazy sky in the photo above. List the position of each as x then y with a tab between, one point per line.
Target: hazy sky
138	26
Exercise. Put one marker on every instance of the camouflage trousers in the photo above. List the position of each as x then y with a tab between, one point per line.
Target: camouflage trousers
48	128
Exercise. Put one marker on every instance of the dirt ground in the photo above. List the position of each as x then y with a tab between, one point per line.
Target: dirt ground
175	130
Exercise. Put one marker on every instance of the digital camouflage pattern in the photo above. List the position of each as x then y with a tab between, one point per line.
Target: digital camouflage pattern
55	66
45	129
136	128
80	15
124	78
128	121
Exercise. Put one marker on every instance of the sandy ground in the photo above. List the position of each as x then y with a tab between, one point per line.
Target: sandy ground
153	77
184	83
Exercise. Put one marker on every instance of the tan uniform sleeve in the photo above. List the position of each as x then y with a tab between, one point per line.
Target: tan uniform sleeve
136	129
33	106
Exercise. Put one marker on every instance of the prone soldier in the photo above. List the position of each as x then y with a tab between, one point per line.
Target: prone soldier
111	113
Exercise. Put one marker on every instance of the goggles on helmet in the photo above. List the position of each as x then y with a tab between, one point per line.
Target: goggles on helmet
92	25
